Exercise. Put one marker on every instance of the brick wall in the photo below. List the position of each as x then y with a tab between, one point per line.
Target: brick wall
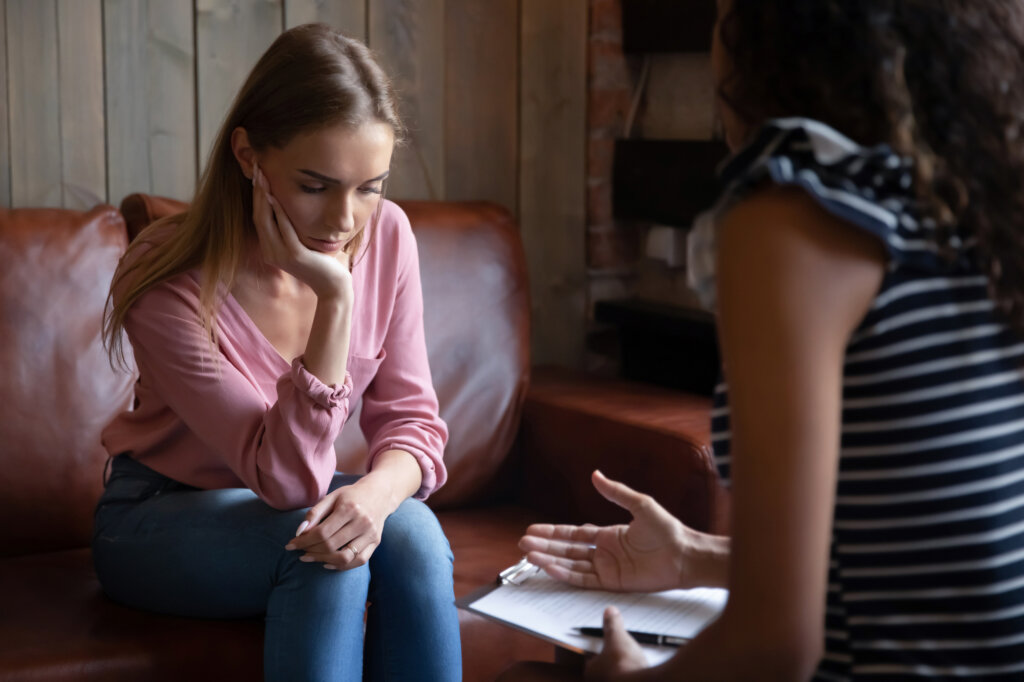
677	104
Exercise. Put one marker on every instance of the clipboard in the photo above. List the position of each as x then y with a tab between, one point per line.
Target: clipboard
514	575
525	598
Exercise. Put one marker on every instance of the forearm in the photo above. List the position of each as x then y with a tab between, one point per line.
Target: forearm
326	355
395	476
706	562
732	650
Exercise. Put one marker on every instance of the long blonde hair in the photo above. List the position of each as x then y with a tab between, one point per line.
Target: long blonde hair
310	78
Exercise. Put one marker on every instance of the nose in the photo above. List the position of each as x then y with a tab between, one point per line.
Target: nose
340	213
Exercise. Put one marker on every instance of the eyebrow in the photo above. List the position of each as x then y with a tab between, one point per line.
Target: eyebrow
325	178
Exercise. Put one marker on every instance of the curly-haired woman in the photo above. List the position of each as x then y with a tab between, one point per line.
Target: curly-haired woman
866	263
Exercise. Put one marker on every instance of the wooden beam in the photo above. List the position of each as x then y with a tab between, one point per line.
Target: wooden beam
83	148
230	38
347	16
481	100
34	99
408	37
553	72
151	98
5	147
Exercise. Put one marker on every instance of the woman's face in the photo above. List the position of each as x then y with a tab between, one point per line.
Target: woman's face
330	181
720	68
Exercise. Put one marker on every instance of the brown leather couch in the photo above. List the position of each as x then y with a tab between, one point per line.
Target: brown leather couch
522	443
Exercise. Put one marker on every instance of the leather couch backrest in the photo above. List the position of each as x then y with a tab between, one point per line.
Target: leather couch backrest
57	387
476	317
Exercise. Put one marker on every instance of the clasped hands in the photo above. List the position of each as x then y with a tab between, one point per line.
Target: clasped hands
343	529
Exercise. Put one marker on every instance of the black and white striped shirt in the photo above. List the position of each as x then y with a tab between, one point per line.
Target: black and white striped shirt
926	574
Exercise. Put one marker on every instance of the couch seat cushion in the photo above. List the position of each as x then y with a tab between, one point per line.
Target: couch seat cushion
56	624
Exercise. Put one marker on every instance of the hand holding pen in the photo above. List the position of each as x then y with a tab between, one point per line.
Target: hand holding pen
641	637
620	654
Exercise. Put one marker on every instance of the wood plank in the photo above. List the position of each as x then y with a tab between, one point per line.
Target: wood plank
151	119
83	148
347	16
171	69
551	174
408	37
34	102
481	100
231	36
5	149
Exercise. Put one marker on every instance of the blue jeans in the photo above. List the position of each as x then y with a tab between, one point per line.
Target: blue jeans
163	546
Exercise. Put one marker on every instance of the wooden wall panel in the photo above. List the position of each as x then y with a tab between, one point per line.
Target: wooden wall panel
408	37
83	151
34	100
5	149
481	100
231	35
493	94
151	99
551	173
348	16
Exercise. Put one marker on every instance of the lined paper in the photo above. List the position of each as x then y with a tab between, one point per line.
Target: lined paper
552	609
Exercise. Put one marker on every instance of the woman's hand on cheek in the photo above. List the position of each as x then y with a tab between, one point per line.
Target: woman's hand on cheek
327	274
343	529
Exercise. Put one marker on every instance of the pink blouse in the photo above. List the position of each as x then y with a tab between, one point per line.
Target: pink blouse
251	419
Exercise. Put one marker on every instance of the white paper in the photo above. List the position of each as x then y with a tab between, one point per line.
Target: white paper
554	610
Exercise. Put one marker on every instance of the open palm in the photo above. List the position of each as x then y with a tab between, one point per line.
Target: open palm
647	555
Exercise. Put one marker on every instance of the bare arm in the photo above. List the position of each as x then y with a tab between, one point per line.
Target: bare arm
793	283
326	354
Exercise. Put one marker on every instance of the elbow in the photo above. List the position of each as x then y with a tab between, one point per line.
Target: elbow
785	667
294	493
289	502
768	648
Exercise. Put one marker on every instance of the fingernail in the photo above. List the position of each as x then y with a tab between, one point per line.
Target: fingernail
306	557
302	526
330	567
289	546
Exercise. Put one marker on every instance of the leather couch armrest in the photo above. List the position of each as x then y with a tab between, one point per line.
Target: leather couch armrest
653	439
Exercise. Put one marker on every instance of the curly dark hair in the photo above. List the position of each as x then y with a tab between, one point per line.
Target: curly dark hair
940	81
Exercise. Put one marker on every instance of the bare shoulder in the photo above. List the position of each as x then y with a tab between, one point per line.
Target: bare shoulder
781	253
786	216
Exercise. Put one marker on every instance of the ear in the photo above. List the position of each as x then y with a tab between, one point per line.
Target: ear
243	151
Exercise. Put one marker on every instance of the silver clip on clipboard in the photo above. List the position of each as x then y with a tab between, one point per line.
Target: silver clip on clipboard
516	574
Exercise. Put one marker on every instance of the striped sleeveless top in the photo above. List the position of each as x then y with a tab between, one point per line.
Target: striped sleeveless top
926	573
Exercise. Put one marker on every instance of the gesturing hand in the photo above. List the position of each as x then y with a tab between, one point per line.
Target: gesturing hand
343	529
326	274
648	555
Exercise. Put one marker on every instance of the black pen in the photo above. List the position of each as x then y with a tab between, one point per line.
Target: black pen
642	637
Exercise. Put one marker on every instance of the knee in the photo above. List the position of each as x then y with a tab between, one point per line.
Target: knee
311	575
413	534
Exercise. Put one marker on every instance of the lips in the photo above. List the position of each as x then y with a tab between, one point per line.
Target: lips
327	246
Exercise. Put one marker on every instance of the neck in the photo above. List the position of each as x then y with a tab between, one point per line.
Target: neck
269	280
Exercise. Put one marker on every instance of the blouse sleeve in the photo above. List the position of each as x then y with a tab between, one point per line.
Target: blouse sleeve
283	451
400	408
870	188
